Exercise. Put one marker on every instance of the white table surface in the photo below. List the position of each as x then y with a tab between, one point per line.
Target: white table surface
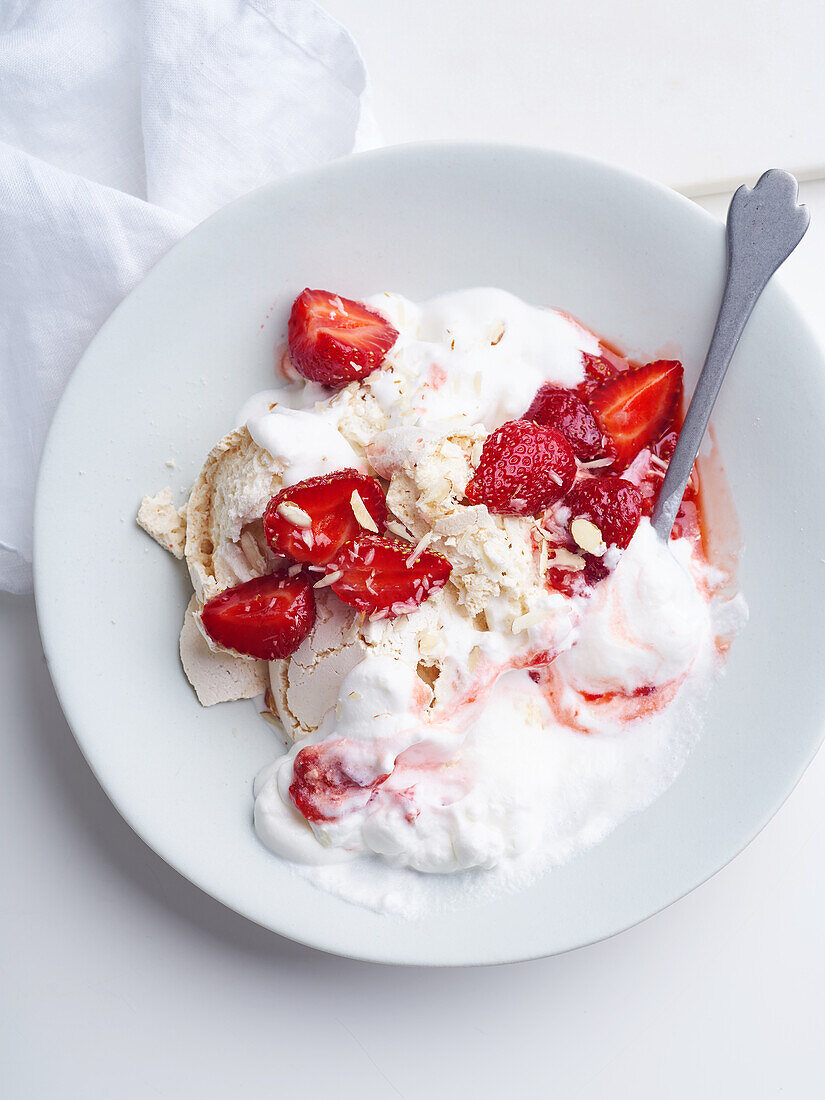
694	94
118	979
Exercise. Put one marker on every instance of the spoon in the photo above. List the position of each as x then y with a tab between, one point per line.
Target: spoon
765	224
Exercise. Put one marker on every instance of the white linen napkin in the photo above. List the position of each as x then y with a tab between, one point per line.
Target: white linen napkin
121	126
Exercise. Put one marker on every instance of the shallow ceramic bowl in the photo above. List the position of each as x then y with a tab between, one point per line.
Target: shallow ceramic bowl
161	381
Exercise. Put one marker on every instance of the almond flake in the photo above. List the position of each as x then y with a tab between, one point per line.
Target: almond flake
543	558
554	477
329	579
596	464
497	333
659	463
524	622
294	570
293	514
359	510
563	559
420	547
399	529
252	552
588	536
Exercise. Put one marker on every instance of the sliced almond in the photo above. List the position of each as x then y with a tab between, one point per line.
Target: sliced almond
524	622
359	510
596	464
293	514
563	559
497	333
329	579
252	552
543	558
419	548
396	528
588	536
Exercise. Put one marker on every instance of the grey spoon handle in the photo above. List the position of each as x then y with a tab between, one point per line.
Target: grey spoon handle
765	224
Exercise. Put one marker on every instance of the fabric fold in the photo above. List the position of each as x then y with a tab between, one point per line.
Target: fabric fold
120	129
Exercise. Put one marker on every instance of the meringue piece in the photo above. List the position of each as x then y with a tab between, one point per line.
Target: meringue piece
217	675
165	523
231	492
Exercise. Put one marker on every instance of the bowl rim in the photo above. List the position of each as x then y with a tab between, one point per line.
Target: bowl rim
407	151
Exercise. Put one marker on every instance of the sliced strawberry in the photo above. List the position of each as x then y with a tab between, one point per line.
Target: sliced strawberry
267	617
567	413
328	502
613	504
328	780
379	576
638	406
524	468
334	340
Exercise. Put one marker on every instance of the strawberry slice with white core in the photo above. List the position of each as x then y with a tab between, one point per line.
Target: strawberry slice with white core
386	577
638	406
267	617
311	521
335	340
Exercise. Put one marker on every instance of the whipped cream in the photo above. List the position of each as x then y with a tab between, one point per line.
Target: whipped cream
505	725
304	444
646	626
508	773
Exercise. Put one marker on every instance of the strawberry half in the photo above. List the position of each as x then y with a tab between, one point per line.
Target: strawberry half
638	406
613	504
334	340
312	520
524	468
567	413
267	617
379	576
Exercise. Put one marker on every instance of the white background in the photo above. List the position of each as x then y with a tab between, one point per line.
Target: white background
119	979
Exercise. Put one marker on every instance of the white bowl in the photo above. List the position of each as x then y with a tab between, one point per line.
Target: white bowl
162	380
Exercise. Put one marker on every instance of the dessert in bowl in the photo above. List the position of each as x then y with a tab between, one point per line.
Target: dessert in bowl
162	382
430	551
